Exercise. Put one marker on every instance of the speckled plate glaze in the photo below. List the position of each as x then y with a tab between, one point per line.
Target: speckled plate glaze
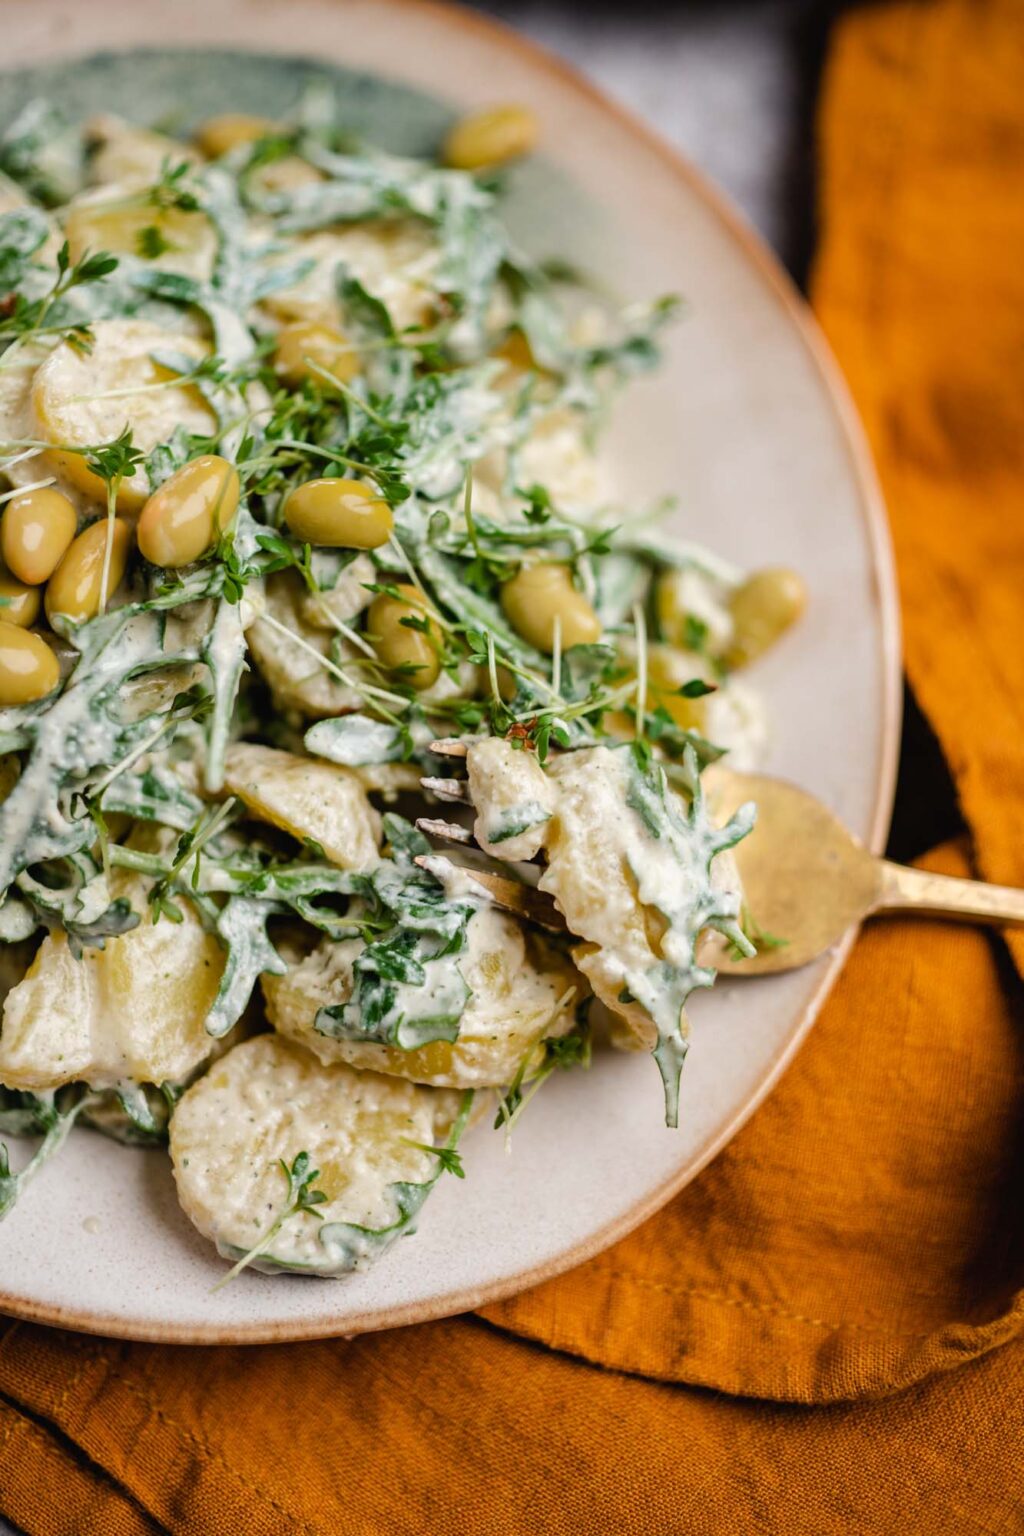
749	424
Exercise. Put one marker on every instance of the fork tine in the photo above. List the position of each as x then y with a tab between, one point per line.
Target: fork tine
522	901
455	790
444	829
450	746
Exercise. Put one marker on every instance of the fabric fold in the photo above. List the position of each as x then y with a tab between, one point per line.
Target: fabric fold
861	1233
456	1429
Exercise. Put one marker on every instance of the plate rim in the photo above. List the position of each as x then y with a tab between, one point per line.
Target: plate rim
872	508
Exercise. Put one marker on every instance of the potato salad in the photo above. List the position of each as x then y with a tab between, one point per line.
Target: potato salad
316	604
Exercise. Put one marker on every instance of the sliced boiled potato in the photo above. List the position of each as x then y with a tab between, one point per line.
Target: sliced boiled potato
293	655
267	1101
521	995
389	779
88	398
514	799
556	454
121	220
614	883
131	155
134	1009
308	798
589	875
343	602
286	175
17	424
15	399
138	1113
396	261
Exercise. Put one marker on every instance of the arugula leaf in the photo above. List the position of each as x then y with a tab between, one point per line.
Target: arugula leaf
687	904
83	731
22	232
355	740
406	992
42	153
155	794
224	652
32	1114
516	819
386	364
242	929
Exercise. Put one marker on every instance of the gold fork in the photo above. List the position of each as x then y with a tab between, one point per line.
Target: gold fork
806	878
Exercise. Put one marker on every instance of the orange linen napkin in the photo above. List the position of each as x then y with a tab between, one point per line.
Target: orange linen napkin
846	1278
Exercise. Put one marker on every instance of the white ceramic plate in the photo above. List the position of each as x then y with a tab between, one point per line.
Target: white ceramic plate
750	425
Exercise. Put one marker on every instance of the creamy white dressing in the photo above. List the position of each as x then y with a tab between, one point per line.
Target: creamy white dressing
630	872
517	996
737	721
514	799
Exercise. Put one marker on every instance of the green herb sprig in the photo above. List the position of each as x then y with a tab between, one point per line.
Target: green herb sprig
301	1200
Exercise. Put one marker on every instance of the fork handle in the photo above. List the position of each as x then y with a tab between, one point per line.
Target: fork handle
972	901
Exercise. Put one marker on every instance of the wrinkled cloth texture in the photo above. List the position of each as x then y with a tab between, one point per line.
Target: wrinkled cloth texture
823	1332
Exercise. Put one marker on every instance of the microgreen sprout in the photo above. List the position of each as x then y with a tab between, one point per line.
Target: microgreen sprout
301	1200
449	1159
559	1052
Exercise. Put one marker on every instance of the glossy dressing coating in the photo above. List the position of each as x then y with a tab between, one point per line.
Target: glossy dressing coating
631	873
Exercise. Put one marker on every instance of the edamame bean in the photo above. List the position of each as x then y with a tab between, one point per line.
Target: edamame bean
342	514
537	596
185	516
305	346
400	646
28	668
35	533
763	608
491	137
76	587
19	604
